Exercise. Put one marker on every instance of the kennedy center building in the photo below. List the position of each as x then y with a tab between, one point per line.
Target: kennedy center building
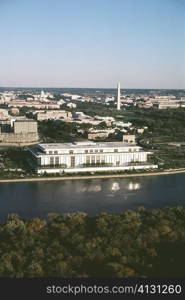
88	156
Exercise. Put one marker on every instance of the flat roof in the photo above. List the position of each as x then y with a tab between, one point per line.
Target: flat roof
25	120
54	146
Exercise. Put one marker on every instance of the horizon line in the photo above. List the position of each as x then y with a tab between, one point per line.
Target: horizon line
108	88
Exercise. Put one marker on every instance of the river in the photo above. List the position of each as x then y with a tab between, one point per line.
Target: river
37	199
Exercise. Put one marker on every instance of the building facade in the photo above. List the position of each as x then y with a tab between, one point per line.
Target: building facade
18	132
129	138
49	114
36	104
87	156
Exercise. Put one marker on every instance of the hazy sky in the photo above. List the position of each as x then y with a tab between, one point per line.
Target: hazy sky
92	43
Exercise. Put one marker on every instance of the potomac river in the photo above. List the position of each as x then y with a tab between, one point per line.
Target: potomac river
93	196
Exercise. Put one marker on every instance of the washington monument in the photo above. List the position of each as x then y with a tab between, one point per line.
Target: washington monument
118	96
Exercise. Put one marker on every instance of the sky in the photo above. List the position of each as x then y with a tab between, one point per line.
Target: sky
92	43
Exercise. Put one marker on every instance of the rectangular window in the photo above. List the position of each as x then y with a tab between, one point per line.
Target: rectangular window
101	150
57	160
93	159
96	150
72	161
103	159
86	151
50	152
115	150
91	151
88	160
51	160
71	151
55	152
98	159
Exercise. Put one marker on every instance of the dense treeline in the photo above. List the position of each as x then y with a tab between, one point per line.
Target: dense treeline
167	125
132	244
52	132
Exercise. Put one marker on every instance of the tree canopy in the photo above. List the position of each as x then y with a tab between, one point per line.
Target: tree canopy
137	243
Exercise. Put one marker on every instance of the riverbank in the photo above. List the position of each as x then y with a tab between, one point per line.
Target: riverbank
168	172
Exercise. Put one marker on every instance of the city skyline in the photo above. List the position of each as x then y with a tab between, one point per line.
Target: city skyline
95	44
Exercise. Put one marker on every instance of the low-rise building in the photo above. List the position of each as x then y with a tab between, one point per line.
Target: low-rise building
4	114
95	134
122	124
36	104
140	130
88	157
129	138
167	104
71	105
104	119
14	111
49	114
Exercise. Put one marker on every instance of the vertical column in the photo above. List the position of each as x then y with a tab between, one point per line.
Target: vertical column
118	96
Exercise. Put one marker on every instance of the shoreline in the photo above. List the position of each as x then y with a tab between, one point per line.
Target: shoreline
35	179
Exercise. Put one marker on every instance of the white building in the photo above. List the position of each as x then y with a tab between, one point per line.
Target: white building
122	124
105	119
88	157
71	96
4	114
49	114
71	105
109	99
61	102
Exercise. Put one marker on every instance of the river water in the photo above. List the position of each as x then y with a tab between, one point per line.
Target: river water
37	199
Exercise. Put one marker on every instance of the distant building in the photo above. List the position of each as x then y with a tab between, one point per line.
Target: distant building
129	138
4	114
95	134
146	104
140	130
14	111
109	99
61	102
75	97
36	104
71	96
49	114
105	119
122	124
167	104
18	132
71	105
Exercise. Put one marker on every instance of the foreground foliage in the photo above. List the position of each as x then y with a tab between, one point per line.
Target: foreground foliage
132	244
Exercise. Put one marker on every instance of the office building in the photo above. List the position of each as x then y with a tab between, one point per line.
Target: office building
16	132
